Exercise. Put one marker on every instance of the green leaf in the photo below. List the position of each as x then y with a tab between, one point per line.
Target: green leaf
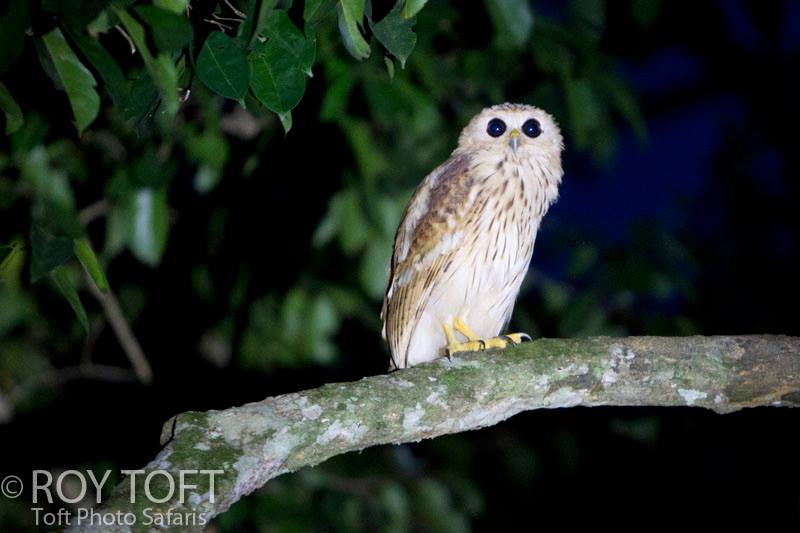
314	11
210	150
176	6
625	103
275	78
286	121
346	220
47	181
31	135
552	56
48	251
76	78
323	320
285	36
152	170
555	295
245	29
583	259
513	21
118	230
14	118
63	281
279	66
389	66
354	9
374	267
334	104
7	254
370	159
161	69
583	110
150	227
103	23
114	80
135	31
143	98
353	226
165	76
208	147
265	8
75	13
206	178
170	31
86	256
350	14
412	7
222	66
591	14
53	206
395	34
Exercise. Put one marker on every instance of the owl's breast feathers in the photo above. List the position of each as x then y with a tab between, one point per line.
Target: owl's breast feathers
475	203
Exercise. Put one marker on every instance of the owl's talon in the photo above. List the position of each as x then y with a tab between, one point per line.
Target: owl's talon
476	344
518	338
480	345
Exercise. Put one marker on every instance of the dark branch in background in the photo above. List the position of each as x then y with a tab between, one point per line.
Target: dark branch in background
94	211
59	376
256	442
125	336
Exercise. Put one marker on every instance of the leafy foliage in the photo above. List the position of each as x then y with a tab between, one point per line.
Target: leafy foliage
12	111
178	108
395	33
76	79
222	66
256	54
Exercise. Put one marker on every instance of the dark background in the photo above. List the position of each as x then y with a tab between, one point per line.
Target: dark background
690	228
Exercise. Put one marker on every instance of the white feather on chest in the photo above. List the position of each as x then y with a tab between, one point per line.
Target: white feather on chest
467	235
503	215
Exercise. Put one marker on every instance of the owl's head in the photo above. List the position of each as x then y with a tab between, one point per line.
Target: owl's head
522	129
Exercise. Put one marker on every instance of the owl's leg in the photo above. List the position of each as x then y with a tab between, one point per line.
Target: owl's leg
474	343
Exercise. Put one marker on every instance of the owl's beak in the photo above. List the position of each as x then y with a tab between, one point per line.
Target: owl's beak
514	140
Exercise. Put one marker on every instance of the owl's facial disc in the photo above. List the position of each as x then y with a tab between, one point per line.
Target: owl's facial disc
523	130
514	139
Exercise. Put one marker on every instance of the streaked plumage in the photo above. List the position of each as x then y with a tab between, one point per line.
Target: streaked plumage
467	235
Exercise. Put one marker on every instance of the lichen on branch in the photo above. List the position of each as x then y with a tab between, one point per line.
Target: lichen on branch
256	442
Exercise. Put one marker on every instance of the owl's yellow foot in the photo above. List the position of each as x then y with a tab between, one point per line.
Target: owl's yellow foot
476	344
514	338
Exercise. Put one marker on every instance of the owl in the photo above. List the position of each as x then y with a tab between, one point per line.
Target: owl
466	237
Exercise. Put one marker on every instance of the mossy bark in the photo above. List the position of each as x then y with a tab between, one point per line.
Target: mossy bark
253	443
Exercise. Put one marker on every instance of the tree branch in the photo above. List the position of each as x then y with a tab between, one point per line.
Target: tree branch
122	329
256	442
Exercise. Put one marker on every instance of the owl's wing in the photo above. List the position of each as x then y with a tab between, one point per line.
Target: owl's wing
428	235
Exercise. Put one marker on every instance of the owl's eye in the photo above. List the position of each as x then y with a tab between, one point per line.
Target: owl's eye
496	127
532	128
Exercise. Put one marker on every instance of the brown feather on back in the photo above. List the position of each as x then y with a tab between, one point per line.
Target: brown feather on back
442	194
